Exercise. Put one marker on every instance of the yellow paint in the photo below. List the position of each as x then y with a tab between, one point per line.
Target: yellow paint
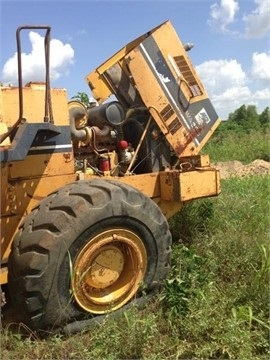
3	275
33	104
3	130
108	270
189	185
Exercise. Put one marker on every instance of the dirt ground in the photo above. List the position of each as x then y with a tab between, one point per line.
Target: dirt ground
236	168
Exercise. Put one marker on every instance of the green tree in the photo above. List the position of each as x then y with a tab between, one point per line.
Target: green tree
264	117
252	118
239	116
82	97
246	117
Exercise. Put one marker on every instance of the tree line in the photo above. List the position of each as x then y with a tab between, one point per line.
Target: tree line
247	118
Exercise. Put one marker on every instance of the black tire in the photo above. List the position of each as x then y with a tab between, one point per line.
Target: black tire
61	227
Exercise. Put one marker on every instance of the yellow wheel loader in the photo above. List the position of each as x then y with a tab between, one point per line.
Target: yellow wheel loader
86	191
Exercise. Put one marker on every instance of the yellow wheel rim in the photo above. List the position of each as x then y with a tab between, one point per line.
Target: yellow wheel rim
108	271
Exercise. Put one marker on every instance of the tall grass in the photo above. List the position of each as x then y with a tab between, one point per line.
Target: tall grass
241	145
214	303
224	273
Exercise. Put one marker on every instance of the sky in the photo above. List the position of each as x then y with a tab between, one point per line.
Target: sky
231	50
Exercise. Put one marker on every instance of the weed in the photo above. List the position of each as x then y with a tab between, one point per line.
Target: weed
184	282
239	145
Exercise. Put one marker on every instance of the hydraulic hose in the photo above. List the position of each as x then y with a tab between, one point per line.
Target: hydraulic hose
85	134
77	113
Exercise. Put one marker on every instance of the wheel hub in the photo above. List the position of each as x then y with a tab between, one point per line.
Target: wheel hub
108	270
106	267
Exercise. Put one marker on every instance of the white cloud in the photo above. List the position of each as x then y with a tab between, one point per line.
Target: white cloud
260	70
81	32
219	75
231	99
263	94
33	63
228	86
223	14
258	21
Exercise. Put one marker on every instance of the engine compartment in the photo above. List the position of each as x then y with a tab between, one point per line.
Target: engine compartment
109	139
